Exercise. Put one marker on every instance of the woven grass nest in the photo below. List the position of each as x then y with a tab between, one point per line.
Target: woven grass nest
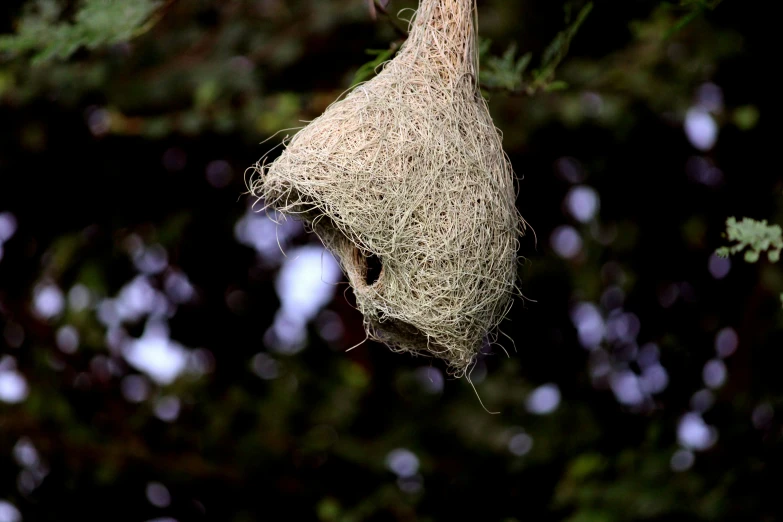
406	182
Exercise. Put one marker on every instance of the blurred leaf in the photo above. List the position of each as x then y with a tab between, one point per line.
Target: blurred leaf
504	72
354	375
588	515
367	70
558	49
6	81
557	85
507	72
328	509
746	117
697	7
585	465
97	23
207	93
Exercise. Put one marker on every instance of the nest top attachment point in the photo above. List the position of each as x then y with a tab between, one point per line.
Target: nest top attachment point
406	182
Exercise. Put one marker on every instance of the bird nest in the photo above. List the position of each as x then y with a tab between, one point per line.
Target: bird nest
405	180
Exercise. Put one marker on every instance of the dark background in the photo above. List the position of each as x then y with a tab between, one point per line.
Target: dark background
122	169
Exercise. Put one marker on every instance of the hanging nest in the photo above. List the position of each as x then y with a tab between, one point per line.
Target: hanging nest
406	182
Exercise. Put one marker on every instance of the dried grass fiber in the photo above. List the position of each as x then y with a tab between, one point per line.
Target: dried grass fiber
408	169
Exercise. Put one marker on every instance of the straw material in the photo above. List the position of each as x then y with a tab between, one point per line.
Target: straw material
407	175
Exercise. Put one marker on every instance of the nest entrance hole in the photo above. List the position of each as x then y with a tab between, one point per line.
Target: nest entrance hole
371	266
374	269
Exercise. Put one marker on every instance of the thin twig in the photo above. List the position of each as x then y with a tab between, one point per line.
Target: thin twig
391	19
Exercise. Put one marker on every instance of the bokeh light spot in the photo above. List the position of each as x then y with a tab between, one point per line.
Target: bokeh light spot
167	408
430	379
701	128
714	373
13	387
543	400
25	453
654	379
589	324
582	203
762	415
719	267
155	354
9	513
158	495
48	300
626	387
402	462
79	297
726	342
682	460
67	339
8	226
566	242
135	388
570	169
694	433
702	400
520	444
265	366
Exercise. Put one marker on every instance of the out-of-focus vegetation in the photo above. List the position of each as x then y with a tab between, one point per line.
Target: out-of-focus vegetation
753	237
162	358
96	23
508	72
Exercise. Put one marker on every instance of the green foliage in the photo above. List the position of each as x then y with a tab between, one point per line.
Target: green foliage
504	72
367	70
695	8
746	117
558	49
755	236
96	23
507	72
